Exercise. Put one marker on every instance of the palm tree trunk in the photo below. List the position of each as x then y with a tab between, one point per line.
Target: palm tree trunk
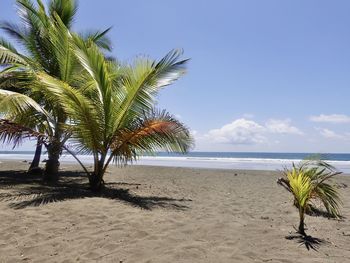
37	155
95	182
96	178
52	164
301	228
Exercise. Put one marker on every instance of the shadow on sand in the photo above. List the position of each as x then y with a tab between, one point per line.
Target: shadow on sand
308	241
23	190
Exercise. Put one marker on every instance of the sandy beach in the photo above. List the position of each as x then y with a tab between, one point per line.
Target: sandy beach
161	214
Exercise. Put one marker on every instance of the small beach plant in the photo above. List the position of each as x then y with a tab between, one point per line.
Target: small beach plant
309	183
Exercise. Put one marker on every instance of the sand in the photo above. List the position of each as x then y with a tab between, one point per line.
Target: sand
160	214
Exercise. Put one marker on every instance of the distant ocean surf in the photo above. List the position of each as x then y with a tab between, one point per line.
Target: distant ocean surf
218	160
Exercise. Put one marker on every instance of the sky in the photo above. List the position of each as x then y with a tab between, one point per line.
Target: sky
268	76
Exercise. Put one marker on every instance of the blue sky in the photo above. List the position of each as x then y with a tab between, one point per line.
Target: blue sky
264	75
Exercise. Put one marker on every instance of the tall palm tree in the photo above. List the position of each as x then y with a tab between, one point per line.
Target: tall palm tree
111	115
30	35
44	37
309	182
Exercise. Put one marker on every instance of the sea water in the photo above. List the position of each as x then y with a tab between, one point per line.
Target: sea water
217	160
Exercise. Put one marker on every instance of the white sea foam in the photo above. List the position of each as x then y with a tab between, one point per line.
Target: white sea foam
232	163
196	162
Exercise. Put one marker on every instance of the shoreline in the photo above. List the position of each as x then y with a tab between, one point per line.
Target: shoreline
196	162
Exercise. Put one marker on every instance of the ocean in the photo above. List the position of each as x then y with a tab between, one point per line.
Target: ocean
217	160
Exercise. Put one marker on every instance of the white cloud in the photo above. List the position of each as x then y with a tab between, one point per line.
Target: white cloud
282	127
240	131
243	131
329	134
332	118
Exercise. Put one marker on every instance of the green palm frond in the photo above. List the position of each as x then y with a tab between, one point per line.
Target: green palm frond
8	54
99	38
32	119
93	61
84	120
65	9
330	198
142	81
17	103
33	16
16	78
60	39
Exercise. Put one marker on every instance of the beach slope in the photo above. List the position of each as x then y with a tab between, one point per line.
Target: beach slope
161	214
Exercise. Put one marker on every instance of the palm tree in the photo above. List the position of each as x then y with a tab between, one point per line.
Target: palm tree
44	37
106	108
112	115
309	182
31	36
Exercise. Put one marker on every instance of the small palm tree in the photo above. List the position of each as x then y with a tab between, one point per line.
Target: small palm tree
113	117
308	182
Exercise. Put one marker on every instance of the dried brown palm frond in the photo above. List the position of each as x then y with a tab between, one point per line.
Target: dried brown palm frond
11	132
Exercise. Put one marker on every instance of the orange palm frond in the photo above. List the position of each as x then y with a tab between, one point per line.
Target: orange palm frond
151	127
155	131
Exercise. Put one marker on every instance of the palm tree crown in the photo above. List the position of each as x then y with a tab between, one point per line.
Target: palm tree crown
112	115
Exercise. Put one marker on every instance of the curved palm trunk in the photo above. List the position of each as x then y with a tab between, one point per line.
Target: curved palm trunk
54	150
52	164
37	155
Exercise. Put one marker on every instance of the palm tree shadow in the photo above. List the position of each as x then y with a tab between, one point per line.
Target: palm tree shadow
13	178
32	192
308	241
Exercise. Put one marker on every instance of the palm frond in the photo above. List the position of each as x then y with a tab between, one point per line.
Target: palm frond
17	103
9	55
301	186
99	38
84	120
144	79
33	17
157	130
65	9
60	39
11	132
93	61
330	198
